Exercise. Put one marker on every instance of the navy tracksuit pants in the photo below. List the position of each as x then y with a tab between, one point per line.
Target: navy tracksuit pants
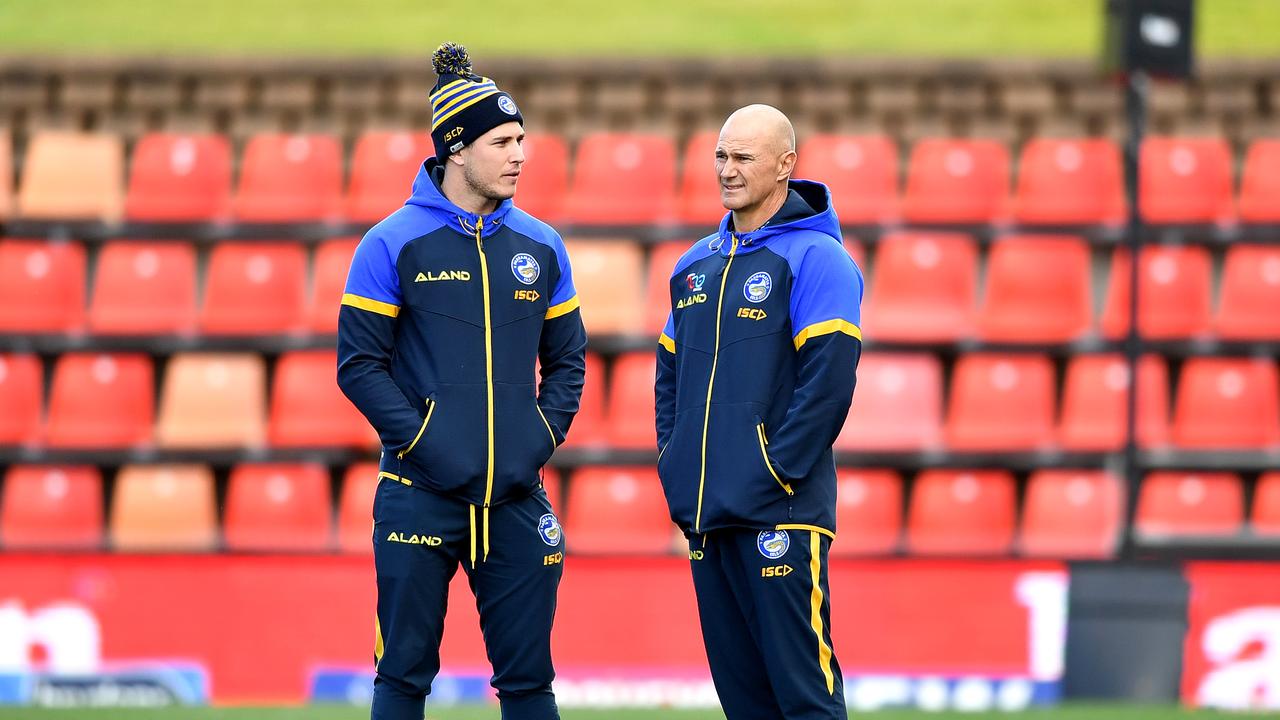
513	556
765	609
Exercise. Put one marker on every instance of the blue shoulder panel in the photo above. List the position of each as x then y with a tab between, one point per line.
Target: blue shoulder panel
826	295
373	283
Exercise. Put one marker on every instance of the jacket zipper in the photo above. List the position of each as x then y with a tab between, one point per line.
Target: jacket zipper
715	358
488	361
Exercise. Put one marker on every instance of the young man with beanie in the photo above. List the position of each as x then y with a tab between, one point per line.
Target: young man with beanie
756	371
449	302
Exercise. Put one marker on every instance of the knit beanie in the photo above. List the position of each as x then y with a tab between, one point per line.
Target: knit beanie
464	105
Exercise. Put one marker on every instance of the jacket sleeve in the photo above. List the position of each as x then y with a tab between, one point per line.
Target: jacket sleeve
825	315
562	352
366	337
664	390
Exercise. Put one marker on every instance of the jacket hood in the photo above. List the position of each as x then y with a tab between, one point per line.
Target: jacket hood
819	216
427	194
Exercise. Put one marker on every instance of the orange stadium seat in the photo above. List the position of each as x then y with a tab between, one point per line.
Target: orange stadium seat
617	510
1265	517
1068	182
1095	403
328	280
588	427
961	512
6	177
1176	503
630	410
1260	183
1072	513
699	184
144	288
924	288
1001	402
290	178
860	170
101	401
1250	294
623	178
957	181
308	409
278	508
609	277
21	385
254	289
1038	290
544	179
1173	295
868	512
180	178
383	166
1227	403
662	262
1185	180
164	508
213	400
41	286
897	404
72	176
50	507
355	508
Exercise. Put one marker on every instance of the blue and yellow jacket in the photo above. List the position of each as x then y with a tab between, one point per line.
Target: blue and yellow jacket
756	368
443	317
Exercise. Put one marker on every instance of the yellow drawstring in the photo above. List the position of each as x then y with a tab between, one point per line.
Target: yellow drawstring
486	533
473	536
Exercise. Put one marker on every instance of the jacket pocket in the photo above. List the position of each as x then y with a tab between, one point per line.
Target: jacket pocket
449	453
679	466
764	453
523	440
741	488
554	443
431	408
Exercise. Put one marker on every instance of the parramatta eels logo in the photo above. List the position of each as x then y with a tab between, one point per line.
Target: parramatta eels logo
757	287
507	105
525	268
549	529
773	544
695	281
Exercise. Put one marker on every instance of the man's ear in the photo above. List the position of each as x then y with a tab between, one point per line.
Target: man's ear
786	164
456	158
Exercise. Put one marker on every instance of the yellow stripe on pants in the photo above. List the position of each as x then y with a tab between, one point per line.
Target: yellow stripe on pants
815	609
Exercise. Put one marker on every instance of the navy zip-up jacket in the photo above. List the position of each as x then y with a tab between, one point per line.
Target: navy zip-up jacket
443	317
756	369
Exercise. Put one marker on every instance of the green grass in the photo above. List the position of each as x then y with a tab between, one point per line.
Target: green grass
972	28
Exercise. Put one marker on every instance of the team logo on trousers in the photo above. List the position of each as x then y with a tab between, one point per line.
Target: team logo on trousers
549	529
757	287
525	268
773	544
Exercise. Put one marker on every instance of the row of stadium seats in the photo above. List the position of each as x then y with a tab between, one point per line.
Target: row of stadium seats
995	402
921	287
299	178
619	510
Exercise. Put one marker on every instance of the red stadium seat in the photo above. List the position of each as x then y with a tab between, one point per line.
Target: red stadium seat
41	286
1250	294
1260	183
662	262
1265	517
1185	180
355	508
383	166
1173	294
1175	503
290	178
960	512
622	178
616	510
1227	403
308	409
924	288
278	508
101	401
699	184
588	429
144	288
21	384
1038	290
1001	402
630	409
957	181
328	280
544	178
1068	182
1072	513
180	178
897	404
860	170
54	508
164	508
1095	397
868	512
254	289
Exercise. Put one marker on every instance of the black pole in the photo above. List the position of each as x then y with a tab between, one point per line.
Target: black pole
1136	87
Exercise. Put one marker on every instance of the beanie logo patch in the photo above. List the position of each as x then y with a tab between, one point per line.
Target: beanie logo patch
525	268
456	147
507	105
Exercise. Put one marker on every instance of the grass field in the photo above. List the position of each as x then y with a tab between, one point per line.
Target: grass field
590	27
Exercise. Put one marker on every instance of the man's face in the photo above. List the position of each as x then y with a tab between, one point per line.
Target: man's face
491	164
747	165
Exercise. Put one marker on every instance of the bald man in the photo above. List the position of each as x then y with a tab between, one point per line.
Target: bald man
755	375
